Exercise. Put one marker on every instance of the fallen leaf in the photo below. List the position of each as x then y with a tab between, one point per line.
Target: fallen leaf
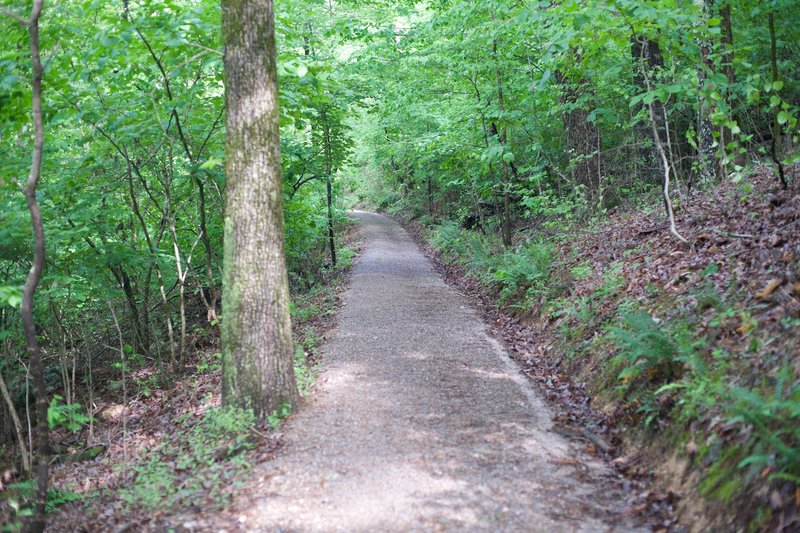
770	288
776	500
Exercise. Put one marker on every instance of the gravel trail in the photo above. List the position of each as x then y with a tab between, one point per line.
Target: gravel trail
421	422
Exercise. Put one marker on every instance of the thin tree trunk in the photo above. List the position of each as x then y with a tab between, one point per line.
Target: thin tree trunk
503	138
211	304
181	279
650	51
329	184
154	253
331	241
12	410
727	58
430	197
651	108
705	131
37	523
776	127
256	331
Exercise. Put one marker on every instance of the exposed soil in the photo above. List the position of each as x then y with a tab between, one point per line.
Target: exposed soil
421	422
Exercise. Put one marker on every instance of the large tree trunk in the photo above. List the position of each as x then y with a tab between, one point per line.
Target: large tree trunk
256	330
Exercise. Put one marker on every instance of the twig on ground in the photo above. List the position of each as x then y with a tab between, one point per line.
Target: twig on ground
731	234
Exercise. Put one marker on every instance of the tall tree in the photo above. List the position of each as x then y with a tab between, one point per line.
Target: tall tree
256	330
38	520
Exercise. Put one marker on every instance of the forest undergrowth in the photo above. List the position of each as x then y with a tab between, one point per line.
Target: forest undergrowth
154	447
677	363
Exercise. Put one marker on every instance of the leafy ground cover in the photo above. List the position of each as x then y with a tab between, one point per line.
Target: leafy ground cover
681	361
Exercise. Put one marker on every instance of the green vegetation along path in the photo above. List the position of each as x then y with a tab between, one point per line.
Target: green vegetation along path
421	422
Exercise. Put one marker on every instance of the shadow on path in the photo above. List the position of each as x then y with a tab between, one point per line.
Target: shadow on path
421	422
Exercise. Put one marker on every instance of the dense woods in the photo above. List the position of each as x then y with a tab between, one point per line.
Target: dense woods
503	128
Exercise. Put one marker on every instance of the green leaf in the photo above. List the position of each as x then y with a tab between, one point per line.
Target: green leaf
211	163
783	117
11	296
581	20
777	85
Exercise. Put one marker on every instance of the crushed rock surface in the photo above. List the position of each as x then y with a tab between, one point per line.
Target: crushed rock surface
421	422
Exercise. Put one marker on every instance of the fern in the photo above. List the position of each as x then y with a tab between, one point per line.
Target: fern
775	423
642	345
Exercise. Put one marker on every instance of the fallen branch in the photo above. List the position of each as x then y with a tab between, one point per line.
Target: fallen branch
654	230
583	434
730	234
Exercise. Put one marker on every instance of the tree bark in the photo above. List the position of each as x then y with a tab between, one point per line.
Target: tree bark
12	410
776	127
153	248
651	109
648	50
256	332
37	523
328	140
331	234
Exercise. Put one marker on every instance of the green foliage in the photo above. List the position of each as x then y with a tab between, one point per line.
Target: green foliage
275	418
11	296
303	374
69	416
209	362
643	347
19	499
582	271
203	457
773	416
526	268
513	272
398	106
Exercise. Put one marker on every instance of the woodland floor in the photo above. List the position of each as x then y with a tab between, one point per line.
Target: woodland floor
420	422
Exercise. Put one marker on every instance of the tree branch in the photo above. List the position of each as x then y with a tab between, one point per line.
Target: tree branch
22	20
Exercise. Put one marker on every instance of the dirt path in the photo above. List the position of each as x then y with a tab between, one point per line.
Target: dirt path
422	423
